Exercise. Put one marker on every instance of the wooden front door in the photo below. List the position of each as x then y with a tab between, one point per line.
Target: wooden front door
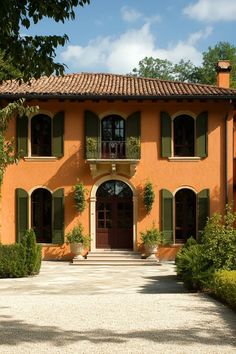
114	216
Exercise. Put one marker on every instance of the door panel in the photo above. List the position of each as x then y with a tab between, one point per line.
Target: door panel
114	219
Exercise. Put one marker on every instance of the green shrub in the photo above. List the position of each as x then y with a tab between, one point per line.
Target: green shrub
223	286
38	259
151	237
76	235
12	261
21	259
33	252
219	240
193	266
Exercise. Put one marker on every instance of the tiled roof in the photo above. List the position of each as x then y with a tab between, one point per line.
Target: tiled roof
88	85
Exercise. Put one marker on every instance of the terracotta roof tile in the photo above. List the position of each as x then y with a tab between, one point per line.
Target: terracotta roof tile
104	85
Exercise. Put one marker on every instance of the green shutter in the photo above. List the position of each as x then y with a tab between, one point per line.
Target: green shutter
201	135
167	215
165	135
58	135
22	213
203	206
58	216
22	135
133	133
92	134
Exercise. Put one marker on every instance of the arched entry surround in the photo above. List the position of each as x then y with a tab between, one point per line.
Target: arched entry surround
93	200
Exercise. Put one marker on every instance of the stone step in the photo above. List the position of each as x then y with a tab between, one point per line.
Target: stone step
112	257
134	262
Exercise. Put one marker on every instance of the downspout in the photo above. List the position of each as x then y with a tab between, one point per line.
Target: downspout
226	160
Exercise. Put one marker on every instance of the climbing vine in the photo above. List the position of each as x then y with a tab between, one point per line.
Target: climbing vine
148	196
79	197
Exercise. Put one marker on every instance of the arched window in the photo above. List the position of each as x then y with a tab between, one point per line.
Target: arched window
41	135
184	136
41	215
113	137
185	215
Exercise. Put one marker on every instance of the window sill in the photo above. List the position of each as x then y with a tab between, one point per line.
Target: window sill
50	244
184	159
40	158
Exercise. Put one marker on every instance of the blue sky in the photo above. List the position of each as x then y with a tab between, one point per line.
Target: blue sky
113	35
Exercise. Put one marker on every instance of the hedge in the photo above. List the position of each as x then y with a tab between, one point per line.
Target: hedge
20	259
12	261
223	286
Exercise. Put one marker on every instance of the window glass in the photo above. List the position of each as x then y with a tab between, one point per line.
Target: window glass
41	135
184	136
41	214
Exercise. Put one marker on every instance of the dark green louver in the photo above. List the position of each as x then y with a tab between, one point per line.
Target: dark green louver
202	135
165	135
167	215
58	216
203	209
133	136
22	213
92	133
58	135
22	135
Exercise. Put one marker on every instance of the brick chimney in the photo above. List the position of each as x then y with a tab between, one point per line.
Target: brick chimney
223	69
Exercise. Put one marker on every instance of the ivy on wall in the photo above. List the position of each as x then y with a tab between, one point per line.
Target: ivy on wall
79	197
148	196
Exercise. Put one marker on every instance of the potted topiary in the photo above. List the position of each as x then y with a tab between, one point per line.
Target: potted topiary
151	238
78	241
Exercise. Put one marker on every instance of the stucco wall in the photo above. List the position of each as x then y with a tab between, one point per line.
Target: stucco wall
163	173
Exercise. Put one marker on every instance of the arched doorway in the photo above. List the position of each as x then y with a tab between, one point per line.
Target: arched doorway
114	216
185	215
41	215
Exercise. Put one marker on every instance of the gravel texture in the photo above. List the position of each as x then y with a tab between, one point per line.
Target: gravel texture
73	309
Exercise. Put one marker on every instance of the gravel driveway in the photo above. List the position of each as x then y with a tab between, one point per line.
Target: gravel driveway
74	309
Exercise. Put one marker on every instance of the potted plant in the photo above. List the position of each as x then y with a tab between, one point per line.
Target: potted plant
78	241
151	238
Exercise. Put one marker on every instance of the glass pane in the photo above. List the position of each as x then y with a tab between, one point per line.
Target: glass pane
114	188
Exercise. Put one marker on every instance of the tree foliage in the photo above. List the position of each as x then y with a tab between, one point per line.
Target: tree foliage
8	155
33	56
23	57
186	71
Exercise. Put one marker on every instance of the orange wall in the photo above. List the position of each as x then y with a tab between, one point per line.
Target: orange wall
206	173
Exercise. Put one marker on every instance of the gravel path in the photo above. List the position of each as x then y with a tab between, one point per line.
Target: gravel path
72	309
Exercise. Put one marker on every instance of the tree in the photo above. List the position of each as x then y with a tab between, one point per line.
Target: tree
151	67
221	51
24	57
33	56
186	71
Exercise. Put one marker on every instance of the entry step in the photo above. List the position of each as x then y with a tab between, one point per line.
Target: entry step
116	257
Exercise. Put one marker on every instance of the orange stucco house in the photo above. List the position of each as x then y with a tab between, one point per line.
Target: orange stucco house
114	133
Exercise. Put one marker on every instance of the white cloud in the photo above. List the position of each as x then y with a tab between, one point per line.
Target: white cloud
212	10
121	54
130	15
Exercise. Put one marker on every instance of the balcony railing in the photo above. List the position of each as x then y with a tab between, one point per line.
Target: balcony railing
129	149
113	150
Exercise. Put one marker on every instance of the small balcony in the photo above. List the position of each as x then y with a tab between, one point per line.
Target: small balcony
112	156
